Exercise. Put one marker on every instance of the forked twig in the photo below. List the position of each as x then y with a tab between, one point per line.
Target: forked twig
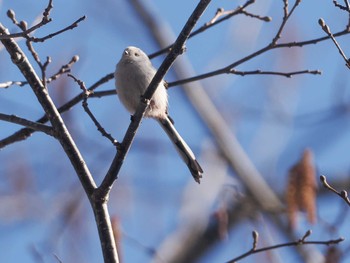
85	104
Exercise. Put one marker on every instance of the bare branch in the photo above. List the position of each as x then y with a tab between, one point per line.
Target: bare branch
8	84
27	123
87	93
25	133
299	242
213	22
64	69
70	27
262	18
287	15
327	30
345	8
226	69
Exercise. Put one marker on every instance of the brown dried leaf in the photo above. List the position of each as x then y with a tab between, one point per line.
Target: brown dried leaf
301	189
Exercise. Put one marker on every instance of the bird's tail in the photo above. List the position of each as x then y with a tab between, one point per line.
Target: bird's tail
182	148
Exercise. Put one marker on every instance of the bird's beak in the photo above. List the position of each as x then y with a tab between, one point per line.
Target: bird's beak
126	52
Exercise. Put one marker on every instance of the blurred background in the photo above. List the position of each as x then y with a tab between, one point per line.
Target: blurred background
158	210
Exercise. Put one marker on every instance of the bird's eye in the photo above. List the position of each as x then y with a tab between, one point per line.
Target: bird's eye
137	54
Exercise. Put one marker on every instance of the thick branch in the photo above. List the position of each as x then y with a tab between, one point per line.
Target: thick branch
63	136
21	61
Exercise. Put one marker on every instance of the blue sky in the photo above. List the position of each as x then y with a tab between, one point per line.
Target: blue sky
274	119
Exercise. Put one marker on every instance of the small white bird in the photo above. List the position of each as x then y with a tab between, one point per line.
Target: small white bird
133	74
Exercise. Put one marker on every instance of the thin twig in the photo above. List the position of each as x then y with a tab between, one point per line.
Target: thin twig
25	133
343	194
27	123
64	69
299	242
208	25
287	15
269	47
327	30
46	19
8	84
242	73
99	94
345	8
72	26
87	93
283	74
11	14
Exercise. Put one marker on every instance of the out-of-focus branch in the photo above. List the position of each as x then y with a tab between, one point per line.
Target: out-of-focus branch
286	16
70	27
46	19
243	73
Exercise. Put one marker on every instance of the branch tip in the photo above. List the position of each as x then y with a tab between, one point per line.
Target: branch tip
306	235
255	235
11	14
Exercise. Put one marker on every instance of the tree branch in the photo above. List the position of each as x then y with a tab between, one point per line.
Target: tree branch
21	61
63	136
299	242
25	133
208	25
27	123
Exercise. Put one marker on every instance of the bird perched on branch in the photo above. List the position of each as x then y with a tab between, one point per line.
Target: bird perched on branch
133	75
